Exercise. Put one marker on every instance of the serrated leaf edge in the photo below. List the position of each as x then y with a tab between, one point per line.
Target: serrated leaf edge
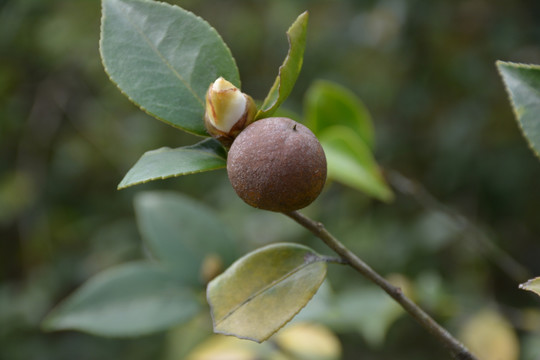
271	108
125	186
499	64
165	5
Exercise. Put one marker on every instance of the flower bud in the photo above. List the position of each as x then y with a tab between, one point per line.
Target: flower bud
228	111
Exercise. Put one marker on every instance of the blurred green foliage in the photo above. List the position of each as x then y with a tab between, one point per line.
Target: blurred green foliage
426	72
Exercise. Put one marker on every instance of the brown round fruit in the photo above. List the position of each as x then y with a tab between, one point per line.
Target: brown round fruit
277	164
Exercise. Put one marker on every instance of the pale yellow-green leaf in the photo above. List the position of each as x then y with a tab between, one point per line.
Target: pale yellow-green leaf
305	341
530	320
301	341
224	348
263	290
532	285
490	337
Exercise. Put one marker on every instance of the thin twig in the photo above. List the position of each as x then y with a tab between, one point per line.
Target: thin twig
334	260
497	255
458	350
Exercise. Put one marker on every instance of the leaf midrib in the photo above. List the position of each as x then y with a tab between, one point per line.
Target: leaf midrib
267	287
165	61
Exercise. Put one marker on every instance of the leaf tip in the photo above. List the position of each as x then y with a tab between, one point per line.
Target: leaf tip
47	324
388	195
526	285
531	285
502	65
53	320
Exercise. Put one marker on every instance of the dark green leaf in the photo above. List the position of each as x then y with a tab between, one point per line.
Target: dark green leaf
183	234
263	290
350	162
289	70
328	104
523	86
128	300
164	58
166	162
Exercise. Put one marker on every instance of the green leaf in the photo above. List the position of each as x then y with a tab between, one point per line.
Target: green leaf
263	290
350	162
370	311
164	58
128	300
183	234
523	86
532	285
289	70
328	104
165	162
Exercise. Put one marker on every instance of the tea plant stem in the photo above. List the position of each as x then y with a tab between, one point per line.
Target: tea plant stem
422	196
458	350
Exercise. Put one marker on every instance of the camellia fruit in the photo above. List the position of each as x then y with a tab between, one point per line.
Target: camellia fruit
277	164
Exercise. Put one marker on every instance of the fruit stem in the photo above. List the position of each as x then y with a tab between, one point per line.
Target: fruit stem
456	348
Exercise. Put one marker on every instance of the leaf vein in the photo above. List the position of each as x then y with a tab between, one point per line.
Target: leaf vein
165	61
264	289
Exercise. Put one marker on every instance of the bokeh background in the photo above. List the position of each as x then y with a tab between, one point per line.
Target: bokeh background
426	71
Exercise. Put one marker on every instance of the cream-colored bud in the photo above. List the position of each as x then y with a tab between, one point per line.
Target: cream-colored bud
228	111
227	104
